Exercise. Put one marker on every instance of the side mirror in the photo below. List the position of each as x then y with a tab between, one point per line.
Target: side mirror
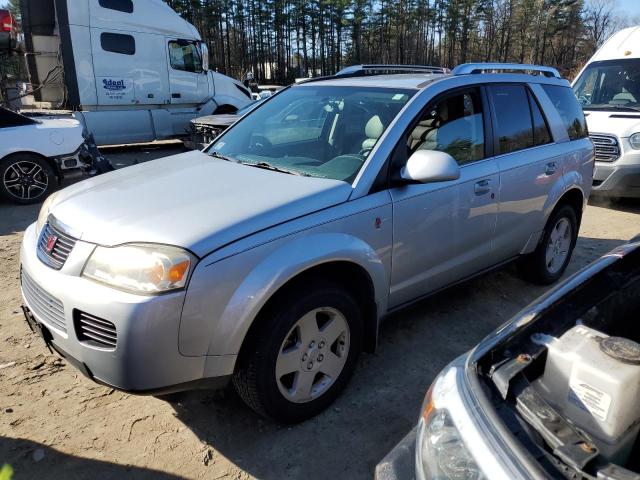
426	166
204	51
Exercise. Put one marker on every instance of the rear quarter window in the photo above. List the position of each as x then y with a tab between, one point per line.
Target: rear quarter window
569	109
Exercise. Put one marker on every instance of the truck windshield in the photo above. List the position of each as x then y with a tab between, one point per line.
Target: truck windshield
313	130
610	85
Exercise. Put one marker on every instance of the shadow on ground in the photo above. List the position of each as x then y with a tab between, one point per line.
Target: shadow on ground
45	462
382	402
628	205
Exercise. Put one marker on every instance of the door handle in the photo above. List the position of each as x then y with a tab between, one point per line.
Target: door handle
175	95
551	168
482	187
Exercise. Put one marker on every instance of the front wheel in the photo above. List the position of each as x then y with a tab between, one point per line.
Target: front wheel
26	178
552	255
303	356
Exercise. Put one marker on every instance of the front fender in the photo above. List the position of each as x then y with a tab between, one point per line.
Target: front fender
225	297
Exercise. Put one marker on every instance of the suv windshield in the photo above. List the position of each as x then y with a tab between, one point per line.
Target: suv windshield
610	85
313	130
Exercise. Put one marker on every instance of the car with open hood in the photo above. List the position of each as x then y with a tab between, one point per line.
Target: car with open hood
271	257
550	394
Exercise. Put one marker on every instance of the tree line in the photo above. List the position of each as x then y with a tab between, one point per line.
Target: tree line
280	40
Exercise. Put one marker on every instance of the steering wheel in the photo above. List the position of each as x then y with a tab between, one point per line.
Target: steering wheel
365	152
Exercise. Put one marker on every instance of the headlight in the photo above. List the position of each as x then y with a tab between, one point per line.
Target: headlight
44	213
441	453
634	140
140	268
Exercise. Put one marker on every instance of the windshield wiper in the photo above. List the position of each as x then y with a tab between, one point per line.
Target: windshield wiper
222	157
612	107
268	166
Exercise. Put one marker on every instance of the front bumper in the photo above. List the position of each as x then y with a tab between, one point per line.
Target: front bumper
145	358
620	178
399	463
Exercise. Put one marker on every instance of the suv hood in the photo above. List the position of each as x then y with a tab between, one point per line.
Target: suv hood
190	200
622	124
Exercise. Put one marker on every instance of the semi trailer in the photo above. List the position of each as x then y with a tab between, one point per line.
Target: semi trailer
130	72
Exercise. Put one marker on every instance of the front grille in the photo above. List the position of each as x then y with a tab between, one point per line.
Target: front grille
607	147
54	246
44	306
95	331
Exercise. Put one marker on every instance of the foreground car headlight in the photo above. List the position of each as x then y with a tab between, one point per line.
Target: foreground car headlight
455	439
44	213
634	140
140	268
440	451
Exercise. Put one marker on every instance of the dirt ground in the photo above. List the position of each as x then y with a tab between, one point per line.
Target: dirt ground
54	423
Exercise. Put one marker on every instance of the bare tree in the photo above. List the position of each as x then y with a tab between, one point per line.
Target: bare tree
599	20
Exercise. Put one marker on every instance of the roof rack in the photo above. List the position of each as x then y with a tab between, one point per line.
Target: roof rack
379	69
471	68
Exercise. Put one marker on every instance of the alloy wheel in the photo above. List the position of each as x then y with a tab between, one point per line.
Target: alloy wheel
558	245
312	355
25	180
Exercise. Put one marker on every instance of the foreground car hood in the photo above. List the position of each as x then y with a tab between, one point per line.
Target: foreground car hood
222	120
622	124
191	200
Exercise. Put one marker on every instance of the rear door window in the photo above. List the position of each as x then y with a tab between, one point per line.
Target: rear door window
512	122
569	109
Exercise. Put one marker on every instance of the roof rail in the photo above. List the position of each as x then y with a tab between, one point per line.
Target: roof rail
361	70
470	68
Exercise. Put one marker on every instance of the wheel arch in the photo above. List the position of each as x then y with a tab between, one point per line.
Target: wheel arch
348	274
574	197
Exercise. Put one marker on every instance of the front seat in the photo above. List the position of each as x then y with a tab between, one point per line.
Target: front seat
373	130
423	135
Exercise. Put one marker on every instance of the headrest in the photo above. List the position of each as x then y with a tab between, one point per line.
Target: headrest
374	127
422	128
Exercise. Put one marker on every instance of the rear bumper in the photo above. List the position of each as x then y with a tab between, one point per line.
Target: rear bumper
616	180
8	41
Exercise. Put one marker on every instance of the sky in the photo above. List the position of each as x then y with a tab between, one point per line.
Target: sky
629	7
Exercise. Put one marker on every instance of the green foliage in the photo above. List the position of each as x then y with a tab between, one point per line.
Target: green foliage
282	39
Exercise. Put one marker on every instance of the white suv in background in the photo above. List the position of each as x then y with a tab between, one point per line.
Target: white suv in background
609	90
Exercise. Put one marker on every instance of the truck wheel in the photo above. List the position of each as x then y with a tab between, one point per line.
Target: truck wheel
304	354
26	178
552	255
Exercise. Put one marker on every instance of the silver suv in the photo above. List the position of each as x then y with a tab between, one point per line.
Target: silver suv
271	257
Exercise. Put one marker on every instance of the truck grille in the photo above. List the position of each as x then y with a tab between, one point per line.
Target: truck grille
54	246
607	147
44	306
95	331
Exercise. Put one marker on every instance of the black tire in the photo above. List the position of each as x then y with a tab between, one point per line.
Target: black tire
255	376
534	266
18	182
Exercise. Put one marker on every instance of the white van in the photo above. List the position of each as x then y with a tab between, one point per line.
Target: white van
608	88
129	71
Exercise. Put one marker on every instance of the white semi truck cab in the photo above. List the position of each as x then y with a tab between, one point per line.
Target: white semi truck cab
130	71
609	90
